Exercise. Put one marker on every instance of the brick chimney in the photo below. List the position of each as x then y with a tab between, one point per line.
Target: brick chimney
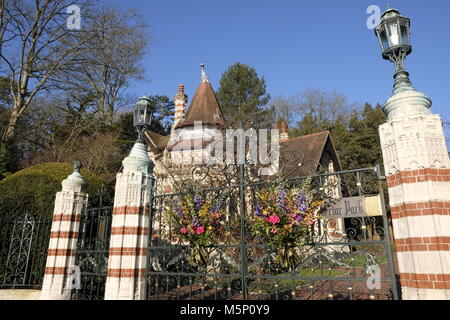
284	135
180	105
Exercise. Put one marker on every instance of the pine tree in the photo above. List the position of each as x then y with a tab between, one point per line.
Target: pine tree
242	94
361	145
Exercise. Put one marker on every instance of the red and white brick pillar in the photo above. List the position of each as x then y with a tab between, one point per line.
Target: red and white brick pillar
129	234
59	268
417	169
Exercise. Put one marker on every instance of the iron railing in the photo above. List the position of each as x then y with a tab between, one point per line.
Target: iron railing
23	250
92	250
242	266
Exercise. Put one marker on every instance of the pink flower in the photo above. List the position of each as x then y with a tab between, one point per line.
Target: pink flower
311	222
273	231
274	219
183	231
200	230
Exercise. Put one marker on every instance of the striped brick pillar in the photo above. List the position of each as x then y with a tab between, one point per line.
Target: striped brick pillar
180	101
417	168
129	234
69	203
284	135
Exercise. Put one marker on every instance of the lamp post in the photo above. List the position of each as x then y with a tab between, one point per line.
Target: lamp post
416	164
393	33
142	116
394	37
127	261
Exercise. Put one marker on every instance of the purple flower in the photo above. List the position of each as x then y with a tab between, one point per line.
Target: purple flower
281	200
215	209
179	214
299	218
258	211
301	203
198	202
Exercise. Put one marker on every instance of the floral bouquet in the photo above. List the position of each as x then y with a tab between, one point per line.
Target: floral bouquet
199	222
284	218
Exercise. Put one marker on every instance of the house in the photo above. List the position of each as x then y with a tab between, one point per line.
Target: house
181	154
195	129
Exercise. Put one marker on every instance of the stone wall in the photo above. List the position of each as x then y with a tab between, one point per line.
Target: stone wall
20	294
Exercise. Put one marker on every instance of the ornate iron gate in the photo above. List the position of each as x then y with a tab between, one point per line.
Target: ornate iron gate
241	266
91	254
23	250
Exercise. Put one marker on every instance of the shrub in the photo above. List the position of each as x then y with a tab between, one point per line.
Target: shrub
34	188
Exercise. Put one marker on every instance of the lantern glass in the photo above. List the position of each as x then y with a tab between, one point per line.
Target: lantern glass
404	30
142	113
393	34
383	39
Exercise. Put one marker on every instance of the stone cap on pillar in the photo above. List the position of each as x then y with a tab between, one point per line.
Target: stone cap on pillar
138	160
407	103
75	181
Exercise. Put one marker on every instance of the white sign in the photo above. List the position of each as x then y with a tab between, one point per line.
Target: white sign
363	206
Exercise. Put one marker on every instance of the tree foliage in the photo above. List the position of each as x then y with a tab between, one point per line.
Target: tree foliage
242	93
354	130
60	89
40	54
117	46
68	132
33	189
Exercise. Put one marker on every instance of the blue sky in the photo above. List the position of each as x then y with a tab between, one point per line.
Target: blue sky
295	45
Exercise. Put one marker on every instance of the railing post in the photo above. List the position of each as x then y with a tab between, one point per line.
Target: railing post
69	204
129	234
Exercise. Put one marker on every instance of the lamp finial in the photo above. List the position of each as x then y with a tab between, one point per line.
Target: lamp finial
77	166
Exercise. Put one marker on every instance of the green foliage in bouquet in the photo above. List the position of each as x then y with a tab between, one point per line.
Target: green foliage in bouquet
198	221
284	217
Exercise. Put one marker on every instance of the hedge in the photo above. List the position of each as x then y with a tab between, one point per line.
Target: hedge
33	189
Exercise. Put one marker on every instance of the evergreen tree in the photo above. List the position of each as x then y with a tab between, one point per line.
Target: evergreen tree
242	94
359	146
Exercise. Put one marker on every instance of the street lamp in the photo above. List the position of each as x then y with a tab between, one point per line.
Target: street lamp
142	115
393	33
394	37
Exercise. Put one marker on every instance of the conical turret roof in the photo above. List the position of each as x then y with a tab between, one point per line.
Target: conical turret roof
204	106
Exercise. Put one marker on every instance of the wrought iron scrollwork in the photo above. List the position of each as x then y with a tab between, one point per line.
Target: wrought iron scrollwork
92	249
17	264
241	265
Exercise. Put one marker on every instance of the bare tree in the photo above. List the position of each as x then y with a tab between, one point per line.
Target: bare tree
324	106
106	71
3	22
284	109
320	106
38	45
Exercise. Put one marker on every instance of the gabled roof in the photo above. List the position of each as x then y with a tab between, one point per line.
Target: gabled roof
189	144
156	141
302	155
204	107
